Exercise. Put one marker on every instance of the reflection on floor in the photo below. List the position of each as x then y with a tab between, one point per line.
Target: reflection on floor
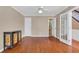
41	45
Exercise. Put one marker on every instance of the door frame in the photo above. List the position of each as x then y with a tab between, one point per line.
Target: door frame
50	27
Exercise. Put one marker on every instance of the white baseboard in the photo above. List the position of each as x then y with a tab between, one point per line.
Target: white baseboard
64	41
26	36
40	36
1	50
57	37
34	36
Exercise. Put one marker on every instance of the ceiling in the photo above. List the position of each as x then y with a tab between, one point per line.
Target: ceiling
33	10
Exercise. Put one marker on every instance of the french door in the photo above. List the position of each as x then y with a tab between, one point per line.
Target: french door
66	28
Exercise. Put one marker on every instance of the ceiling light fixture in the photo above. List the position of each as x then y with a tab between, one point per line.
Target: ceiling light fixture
40	11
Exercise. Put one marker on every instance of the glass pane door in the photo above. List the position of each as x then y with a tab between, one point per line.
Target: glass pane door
64	27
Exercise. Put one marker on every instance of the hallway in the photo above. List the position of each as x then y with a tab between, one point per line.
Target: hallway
43	45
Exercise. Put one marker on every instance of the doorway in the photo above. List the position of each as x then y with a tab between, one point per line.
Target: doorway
52	27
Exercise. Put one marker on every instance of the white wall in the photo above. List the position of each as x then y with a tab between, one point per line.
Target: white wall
27	26
75	34
10	20
40	26
36	26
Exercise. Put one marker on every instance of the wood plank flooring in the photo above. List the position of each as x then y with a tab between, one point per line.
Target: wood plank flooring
75	44
41	45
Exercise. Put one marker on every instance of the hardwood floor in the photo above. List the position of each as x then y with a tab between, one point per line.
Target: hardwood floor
75	44
41	45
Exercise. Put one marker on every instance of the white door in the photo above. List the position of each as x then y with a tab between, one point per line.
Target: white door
53	23
27	26
66	28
